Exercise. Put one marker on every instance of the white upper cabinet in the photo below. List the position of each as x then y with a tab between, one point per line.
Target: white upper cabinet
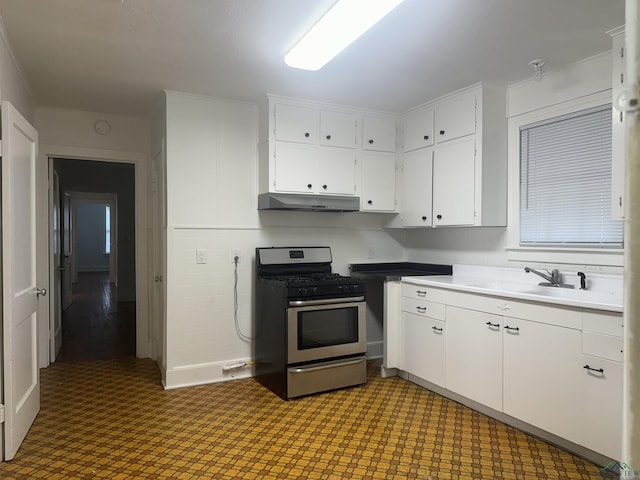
418	130
296	124
618	132
379	133
416	192
467	185
456	118
378	194
295	168
336	171
316	149
338	129
454	184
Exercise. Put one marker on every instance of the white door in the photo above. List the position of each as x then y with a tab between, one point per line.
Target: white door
20	293
67	252
56	270
160	251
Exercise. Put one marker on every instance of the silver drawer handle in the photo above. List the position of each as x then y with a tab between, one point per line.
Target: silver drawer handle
421	309
326	367
436	329
421	293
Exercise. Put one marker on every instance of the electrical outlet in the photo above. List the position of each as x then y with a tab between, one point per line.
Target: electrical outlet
201	255
372	252
234	254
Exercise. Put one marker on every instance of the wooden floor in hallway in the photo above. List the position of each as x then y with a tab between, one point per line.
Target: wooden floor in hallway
96	326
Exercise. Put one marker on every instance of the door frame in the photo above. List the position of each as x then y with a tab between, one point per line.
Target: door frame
44	253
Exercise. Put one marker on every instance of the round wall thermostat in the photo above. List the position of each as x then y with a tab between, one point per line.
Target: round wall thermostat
102	127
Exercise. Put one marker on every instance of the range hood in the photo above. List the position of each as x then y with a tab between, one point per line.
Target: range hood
308	203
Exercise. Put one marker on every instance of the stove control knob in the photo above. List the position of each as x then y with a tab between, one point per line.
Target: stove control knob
302	290
313	290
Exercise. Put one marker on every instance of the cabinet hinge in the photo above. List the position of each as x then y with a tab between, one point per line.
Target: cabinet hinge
621	52
1	413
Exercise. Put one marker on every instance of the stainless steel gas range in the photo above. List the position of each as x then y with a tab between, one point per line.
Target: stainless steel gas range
310	323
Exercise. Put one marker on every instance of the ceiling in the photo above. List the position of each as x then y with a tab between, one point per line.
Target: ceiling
116	56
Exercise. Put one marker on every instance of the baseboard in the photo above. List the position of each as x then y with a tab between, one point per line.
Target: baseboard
375	350
205	373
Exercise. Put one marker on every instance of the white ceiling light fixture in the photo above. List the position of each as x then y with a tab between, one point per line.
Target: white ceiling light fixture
337	29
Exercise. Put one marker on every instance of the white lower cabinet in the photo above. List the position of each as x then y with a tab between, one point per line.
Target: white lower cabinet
600	418
474	355
559	370
424	347
541	384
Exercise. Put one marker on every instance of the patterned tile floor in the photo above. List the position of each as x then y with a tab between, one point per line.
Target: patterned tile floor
111	419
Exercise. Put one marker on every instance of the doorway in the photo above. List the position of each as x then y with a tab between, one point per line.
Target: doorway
96	287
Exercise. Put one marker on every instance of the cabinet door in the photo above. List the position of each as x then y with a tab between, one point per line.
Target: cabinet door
336	171
295	168
378	182
416	192
474	355
456	118
541	385
454	184
601	399
424	347
337	129
296	124
379	133
418	130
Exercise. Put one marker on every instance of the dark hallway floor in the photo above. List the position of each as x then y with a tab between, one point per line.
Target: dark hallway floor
96	326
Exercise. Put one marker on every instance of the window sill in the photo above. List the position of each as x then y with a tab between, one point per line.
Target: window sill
602	257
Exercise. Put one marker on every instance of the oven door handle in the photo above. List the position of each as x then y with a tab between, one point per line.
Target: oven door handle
324	301
326	367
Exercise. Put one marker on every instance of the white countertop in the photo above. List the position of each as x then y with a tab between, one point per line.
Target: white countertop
604	292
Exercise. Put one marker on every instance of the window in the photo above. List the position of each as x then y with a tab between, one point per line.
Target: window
107	229
565	181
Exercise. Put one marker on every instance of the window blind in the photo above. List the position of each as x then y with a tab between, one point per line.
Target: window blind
565	181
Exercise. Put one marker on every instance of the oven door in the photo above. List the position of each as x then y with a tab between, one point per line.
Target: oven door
327	328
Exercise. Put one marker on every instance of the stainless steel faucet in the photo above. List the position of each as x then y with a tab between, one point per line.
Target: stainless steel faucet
552	279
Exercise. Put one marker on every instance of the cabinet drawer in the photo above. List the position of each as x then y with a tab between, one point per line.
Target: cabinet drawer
603	346
602	322
416	291
423	307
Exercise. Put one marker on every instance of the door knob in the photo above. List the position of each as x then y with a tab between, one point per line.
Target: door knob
41	291
62	269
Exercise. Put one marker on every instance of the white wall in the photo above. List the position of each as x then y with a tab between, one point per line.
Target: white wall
212	205
13	86
71	134
489	246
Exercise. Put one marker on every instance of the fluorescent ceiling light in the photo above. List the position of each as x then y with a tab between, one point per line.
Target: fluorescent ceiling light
337	29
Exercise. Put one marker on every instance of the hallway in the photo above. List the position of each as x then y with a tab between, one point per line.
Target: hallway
96	326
